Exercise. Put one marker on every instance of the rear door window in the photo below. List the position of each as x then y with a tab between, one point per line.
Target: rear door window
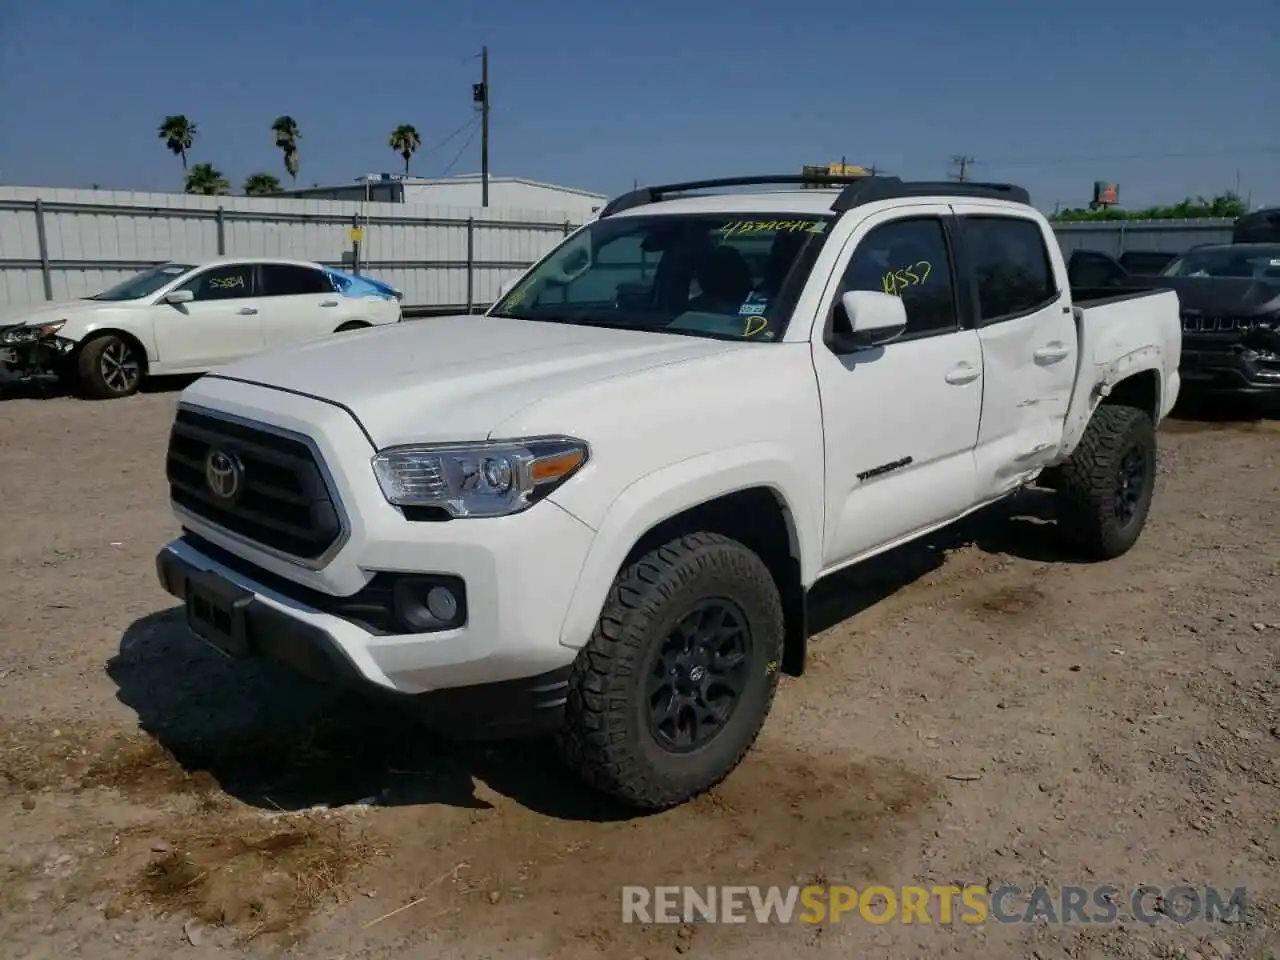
1011	266
291	280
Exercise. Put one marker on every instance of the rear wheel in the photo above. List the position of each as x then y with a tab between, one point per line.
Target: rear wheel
109	367
1105	488
675	683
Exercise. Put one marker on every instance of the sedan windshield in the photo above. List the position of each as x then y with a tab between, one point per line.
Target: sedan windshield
145	283
721	276
1246	261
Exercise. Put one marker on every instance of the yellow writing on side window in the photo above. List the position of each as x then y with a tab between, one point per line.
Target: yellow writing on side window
739	227
226	283
899	278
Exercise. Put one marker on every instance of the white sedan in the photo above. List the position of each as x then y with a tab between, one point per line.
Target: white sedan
182	318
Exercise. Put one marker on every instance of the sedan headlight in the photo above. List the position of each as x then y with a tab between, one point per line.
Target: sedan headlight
487	479
27	334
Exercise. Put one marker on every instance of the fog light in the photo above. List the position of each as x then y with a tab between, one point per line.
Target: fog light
442	604
423	604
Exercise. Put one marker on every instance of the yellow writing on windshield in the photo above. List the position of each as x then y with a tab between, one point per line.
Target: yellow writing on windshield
899	278
754	325
739	227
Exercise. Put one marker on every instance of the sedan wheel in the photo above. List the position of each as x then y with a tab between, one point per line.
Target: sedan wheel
110	367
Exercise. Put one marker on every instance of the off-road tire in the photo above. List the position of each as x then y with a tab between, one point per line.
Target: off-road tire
91	379
606	738
1088	483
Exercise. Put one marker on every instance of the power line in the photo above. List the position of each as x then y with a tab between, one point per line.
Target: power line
437	146
463	149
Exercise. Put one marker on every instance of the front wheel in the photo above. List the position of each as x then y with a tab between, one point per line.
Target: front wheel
671	691
352	325
109	367
1105	487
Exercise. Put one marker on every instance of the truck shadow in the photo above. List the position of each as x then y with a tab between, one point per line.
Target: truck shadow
275	740
1023	526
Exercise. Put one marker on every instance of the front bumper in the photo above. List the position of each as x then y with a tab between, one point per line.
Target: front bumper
33	359
1233	371
243	618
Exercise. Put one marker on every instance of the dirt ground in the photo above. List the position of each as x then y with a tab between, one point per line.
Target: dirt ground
980	709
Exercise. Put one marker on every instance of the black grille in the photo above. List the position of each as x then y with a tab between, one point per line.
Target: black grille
284	503
1199	323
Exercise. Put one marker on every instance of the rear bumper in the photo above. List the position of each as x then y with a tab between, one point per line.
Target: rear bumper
252	621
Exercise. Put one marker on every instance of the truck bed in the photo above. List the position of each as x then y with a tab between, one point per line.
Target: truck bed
1121	331
1088	297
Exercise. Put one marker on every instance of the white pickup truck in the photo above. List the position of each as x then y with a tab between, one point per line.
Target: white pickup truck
597	509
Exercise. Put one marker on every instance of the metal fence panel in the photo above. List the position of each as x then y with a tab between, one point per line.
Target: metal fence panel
1117	236
62	244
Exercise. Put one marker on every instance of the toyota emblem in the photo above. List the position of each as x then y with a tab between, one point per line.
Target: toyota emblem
224	474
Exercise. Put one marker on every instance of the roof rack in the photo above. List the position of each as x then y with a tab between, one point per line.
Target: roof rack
857	190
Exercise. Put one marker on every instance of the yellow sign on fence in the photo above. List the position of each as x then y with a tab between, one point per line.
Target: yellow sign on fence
356	234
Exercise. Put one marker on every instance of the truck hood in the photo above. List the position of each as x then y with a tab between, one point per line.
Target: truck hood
448	379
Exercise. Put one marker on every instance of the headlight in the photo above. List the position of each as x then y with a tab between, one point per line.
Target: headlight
487	479
30	333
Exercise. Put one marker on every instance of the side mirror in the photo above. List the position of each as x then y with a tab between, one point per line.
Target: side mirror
875	318
179	296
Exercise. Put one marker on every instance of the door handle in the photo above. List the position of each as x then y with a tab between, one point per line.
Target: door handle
1053	352
963	373
329	303
247	311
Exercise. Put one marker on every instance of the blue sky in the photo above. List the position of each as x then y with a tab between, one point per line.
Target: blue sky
1166	98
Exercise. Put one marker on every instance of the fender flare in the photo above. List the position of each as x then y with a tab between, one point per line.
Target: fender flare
1148	359
673	489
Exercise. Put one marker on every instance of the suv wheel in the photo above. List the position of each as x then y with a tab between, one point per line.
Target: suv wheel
1105	488
670	692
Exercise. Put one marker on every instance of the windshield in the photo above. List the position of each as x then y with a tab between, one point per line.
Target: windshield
1242	262
722	276
145	283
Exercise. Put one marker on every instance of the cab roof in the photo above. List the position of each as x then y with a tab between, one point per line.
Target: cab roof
819	194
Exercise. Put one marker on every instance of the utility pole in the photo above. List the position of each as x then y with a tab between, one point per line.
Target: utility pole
480	95
963	163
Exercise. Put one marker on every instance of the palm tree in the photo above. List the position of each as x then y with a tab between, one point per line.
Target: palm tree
178	134
287	136
207	180
261	184
404	141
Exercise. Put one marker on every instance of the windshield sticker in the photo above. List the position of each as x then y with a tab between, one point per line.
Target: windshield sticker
1275	262
754	305
739	227
754	325
898	279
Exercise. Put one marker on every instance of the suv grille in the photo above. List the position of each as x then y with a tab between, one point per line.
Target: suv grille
261	485
1199	323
